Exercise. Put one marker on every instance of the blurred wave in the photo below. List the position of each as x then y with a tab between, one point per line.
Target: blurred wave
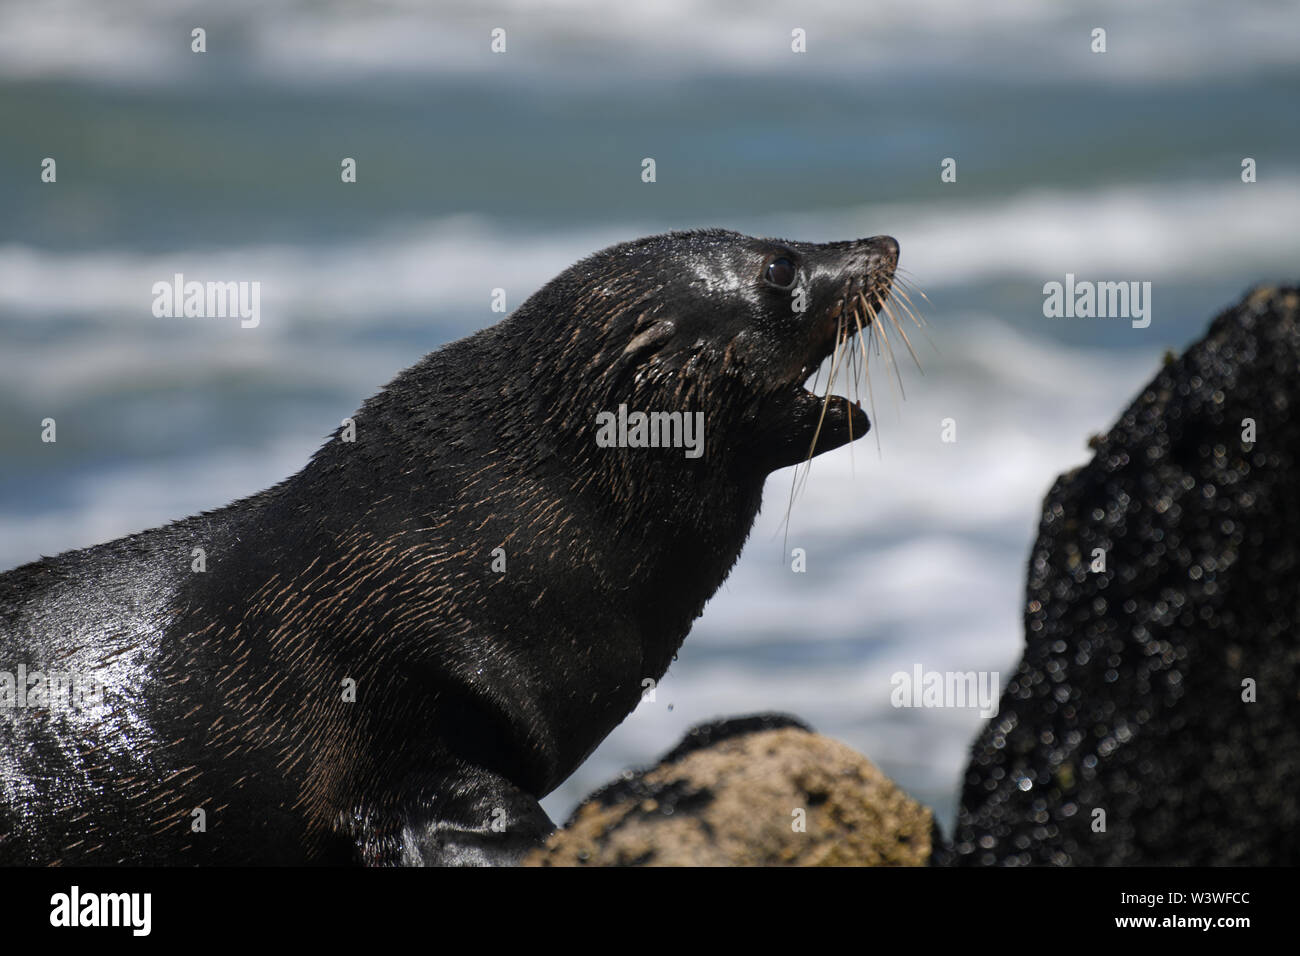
1164	232
305	41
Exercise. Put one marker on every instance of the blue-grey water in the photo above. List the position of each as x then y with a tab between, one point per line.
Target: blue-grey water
479	170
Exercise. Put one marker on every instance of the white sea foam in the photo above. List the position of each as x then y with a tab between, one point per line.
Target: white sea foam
1156	231
148	494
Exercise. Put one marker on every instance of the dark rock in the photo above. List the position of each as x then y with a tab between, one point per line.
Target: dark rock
1129	698
727	796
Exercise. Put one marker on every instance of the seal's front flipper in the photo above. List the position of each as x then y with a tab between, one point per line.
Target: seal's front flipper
477	820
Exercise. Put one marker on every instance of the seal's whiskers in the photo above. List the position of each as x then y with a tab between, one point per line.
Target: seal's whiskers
870	327
889	348
859	318
903	332
901	298
900	294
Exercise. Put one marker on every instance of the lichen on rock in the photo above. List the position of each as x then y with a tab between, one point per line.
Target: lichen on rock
761	791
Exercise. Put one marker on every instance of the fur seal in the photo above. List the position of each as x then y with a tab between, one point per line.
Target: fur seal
493	583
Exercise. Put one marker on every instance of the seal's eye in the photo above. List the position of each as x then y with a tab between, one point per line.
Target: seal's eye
780	272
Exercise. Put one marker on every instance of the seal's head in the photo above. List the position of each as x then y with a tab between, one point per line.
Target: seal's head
720	323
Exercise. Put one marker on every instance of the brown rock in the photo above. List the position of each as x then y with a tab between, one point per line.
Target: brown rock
733	802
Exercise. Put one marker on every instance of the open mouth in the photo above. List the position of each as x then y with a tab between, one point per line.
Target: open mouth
846	340
862	324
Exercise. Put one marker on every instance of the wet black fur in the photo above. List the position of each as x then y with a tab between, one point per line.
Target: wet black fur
477	692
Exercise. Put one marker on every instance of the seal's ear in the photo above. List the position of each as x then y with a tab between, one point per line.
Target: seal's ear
648	336
648	340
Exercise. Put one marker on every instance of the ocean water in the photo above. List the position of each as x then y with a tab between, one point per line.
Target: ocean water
478	171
